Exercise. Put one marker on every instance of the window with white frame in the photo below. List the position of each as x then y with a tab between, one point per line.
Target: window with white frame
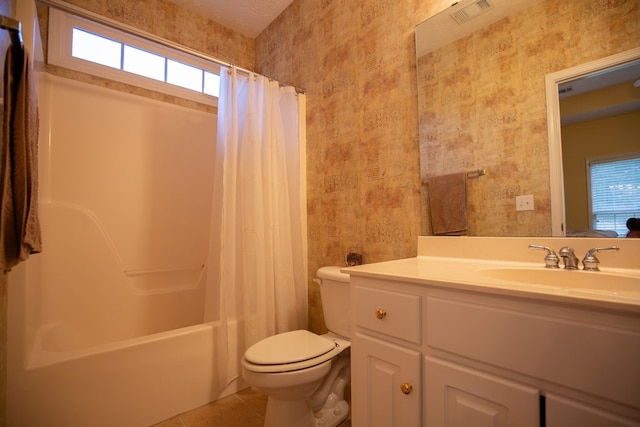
86	46
614	191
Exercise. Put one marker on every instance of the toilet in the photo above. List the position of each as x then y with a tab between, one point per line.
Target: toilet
304	374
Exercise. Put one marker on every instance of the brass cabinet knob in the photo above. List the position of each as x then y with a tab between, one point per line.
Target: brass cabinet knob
381	313
406	388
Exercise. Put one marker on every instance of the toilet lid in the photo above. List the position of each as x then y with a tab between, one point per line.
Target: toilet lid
288	347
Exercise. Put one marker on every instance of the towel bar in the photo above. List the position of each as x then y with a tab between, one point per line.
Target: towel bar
476	174
14	27
473	174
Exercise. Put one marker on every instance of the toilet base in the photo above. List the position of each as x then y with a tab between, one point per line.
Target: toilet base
332	417
299	414
294	413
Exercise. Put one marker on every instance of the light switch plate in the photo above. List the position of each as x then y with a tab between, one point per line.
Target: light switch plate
524	203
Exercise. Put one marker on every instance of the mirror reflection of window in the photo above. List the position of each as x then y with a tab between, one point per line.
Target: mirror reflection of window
614	192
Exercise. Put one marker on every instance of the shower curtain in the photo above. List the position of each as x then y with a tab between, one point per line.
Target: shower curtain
259	211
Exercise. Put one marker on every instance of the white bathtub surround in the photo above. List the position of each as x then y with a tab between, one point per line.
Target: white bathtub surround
117	321
259	207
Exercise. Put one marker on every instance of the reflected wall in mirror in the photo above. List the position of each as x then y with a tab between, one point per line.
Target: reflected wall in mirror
482	105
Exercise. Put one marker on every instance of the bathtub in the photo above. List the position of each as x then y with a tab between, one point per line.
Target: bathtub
115	322
134	382
92	343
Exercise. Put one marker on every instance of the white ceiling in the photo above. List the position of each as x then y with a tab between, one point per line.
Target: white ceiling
628	73
248	17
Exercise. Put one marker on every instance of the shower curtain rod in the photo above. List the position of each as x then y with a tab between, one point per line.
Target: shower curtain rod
83	13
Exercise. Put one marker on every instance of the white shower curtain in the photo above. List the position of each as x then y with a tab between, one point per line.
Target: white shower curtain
260	212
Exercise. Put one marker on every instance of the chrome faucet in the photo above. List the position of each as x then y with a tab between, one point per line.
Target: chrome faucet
590	261
569	258
551	260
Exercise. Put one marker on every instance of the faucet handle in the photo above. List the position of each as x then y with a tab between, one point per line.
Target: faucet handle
590	261
551	260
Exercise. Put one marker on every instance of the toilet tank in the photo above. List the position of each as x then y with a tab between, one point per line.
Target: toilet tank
336	304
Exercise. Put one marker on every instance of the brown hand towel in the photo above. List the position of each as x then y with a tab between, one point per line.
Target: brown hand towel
448	204
19	224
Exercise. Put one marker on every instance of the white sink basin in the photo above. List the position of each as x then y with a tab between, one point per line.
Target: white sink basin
574	281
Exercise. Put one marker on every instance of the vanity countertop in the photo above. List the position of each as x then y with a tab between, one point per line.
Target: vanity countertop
469	263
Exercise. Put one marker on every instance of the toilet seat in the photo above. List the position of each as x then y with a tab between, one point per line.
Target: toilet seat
289	351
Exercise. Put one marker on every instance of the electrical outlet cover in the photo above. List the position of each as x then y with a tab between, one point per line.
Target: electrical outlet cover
524	203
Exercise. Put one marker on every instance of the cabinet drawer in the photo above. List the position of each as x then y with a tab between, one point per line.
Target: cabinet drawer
391	313
575	354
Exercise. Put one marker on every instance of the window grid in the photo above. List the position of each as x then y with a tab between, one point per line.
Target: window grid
132	59
62	29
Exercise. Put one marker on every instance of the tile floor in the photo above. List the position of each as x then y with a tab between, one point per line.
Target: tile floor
243	409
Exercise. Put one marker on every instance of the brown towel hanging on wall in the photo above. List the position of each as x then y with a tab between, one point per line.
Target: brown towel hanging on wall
19	225
448	204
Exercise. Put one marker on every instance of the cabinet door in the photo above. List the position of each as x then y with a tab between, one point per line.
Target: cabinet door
385	383
563	412
459	396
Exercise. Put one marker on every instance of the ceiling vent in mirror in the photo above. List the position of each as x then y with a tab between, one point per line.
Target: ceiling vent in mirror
474	9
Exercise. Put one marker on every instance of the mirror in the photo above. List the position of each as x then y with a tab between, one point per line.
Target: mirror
482	103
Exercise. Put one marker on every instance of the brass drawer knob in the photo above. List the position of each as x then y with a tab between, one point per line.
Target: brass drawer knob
406	388
381	313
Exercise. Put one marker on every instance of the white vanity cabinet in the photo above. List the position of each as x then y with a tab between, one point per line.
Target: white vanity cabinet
386	368
429	354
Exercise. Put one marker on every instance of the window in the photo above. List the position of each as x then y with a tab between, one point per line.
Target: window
143	63
614	192
96	49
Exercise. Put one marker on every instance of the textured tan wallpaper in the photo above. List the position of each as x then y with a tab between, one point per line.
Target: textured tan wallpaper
483	104
356	61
